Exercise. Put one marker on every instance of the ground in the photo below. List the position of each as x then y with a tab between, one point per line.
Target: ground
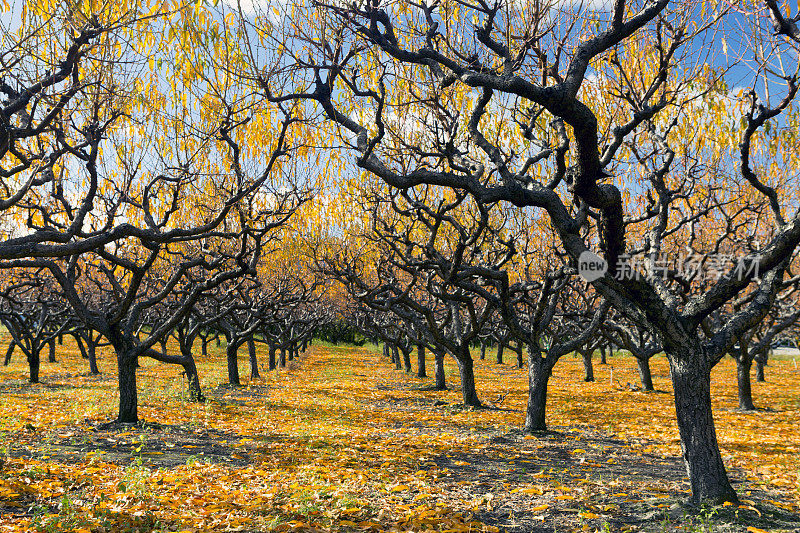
343	442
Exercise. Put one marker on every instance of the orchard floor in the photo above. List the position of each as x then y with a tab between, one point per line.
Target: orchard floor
343	442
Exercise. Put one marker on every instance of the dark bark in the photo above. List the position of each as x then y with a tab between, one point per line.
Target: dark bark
743	365
644	373
192	378
9	352
282	359
691	380
128	399
483	350
33	365
760	371
51	351
441	384
61	339
421	361
468	392
603	355
500	348
251	351
407	359
588	369
520	362
272	360
396	357
204	346
761	362
538	376
232	352
91	354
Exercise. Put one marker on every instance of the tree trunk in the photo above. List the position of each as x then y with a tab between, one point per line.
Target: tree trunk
500	348
232	352
251	351
761	362
468	392
644	373
218	341
588	369
192	378
282	361
520	362
204	346
483	350
407	359
441	384
603	355
760	371
33	365
396	357
128	400
51	351
743	365
421	361
163	344
61	339
538	376
91	353
272	362
11	346
691	380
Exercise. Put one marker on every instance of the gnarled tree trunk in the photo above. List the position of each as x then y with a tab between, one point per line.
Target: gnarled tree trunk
644	373
251	351
421	371
467	373
538	375
691	380
439	371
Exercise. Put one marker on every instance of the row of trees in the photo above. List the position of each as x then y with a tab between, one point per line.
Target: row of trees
157	158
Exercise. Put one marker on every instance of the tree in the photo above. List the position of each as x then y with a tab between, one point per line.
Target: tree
537	131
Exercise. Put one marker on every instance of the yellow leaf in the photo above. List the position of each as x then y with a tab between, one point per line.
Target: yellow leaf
540	508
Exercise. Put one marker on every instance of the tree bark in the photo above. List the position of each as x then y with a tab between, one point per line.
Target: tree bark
743	365
483	349
9	352
588	369
500	348
272	361
91	353
232	352
396	357
192	377
128	399
538	376
33	365
421	361
691	379
51	349
204	346
603	355
761	362
251	351
520	362
407	360
282	361
441	384
468	392
644	373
